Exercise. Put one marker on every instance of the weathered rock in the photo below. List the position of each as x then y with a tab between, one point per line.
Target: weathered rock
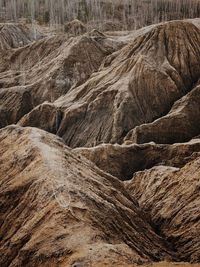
136	85
123	161
59	210
172	196
179	125
47	69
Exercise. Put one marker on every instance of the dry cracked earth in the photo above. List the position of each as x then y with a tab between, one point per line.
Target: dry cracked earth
100	147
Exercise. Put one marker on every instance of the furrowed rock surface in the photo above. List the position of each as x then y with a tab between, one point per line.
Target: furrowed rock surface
136	85
171	196
179	125
46	69
123	161
59	210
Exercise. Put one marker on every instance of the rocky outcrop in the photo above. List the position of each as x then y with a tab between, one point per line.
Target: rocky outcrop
172	197
136	85
59	210
123	161
179	125
46	69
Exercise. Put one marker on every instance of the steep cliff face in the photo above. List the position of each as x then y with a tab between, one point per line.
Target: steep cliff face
59	210
136	85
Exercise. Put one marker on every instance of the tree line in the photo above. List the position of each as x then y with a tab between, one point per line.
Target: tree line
130	13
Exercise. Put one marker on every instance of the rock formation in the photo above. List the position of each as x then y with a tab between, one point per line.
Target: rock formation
111	178
46	69
136	85
58	210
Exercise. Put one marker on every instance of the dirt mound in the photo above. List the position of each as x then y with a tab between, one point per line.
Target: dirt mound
136	85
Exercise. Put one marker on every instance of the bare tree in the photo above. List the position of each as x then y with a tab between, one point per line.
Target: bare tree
32	10
130	13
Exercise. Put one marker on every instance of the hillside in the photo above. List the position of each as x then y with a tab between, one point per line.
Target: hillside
99	139
145	78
